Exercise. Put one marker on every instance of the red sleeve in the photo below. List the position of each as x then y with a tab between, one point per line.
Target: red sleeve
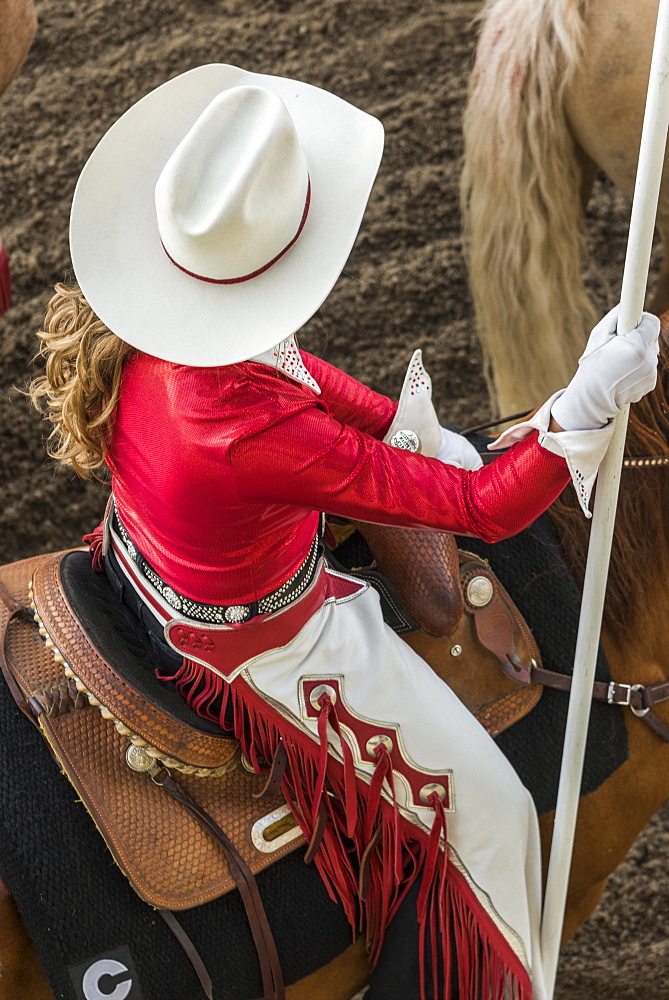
311	460
349	401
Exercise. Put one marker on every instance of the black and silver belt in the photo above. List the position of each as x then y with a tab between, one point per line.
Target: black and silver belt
218	614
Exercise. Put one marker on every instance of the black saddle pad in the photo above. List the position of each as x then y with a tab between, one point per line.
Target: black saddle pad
121	639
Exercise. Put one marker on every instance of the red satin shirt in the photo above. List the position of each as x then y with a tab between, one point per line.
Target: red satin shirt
219	474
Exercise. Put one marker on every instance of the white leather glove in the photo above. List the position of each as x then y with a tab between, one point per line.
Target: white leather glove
457	450
612	372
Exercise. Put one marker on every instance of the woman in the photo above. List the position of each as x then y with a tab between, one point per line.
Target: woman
208	225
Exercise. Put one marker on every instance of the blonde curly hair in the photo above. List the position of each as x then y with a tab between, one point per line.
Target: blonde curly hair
79	391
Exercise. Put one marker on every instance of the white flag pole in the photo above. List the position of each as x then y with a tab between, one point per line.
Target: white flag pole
635	277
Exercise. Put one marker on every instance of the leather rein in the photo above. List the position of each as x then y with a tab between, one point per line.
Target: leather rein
637	462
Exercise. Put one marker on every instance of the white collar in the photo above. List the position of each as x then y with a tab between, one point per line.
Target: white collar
286	358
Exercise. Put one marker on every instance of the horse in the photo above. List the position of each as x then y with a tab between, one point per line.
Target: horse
635	638
18	23
557	92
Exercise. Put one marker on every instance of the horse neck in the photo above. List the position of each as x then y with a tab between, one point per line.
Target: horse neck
635	628
636	610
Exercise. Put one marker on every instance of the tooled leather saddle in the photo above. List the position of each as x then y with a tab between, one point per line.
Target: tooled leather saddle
123	738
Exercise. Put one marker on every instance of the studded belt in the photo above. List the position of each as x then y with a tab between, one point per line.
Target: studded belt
220	613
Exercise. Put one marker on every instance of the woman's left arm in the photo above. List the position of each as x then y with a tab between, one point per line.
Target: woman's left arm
310	460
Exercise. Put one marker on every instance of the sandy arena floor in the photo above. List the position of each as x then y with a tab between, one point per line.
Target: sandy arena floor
404	286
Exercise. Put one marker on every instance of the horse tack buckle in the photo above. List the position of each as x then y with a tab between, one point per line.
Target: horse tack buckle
612	695
626	701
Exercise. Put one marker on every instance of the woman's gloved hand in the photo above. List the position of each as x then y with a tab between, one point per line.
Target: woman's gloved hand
456	450
612	372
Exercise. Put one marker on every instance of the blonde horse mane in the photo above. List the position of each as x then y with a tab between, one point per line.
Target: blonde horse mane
521	200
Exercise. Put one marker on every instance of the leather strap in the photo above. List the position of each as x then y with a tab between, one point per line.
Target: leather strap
639	697
655	723
190	951
57	700
317	835
21	613
14	606
500	627
270	966
275	776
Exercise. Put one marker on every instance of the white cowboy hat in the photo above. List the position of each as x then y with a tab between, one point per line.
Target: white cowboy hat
214	217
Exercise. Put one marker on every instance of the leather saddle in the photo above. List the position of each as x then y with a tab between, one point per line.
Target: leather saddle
486	653
85	676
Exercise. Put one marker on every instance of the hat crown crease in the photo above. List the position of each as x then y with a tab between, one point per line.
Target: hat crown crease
231	196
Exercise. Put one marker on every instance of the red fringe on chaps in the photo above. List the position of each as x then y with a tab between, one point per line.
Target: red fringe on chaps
369	855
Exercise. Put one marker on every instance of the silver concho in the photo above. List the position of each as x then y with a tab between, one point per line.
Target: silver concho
318	692
427	790
479	591
138	759
406	440
236	613
374	741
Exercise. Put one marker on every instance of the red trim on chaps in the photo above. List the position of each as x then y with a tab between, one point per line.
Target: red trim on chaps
365	730
94	541
225	649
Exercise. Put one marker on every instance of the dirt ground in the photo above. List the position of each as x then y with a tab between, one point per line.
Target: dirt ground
404	286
